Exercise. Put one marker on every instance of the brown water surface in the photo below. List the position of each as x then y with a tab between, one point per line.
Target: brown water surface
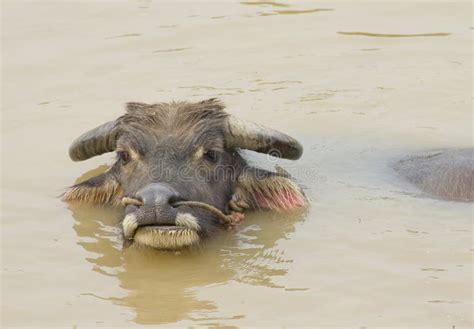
371	250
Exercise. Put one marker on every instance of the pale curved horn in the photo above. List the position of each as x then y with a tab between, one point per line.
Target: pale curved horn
99	140
251	136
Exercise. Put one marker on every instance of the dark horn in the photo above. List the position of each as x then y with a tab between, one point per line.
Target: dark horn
99	140
251	136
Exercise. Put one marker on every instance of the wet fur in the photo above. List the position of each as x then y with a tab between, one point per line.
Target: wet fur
99	190
189	121
173	240
261	189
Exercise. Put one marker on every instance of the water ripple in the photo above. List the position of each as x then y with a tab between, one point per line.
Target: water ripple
264	3
124	36
387	35
170	50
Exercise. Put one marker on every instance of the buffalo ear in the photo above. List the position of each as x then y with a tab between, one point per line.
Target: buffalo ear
102	189
261	189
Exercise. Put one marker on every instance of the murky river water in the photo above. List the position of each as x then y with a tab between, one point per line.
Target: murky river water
360	84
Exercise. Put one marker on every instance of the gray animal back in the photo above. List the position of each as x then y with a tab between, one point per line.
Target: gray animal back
448	174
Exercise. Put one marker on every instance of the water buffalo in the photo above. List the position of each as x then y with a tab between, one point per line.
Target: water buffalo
179	172
447	174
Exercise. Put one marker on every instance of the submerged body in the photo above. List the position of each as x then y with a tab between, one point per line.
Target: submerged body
447	174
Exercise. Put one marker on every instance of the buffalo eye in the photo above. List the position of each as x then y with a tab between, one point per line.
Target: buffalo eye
211	156
124	157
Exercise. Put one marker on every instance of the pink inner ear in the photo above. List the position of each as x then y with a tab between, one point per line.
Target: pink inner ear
279	199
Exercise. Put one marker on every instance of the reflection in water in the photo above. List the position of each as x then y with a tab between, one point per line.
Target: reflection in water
162	286
99	233
385	35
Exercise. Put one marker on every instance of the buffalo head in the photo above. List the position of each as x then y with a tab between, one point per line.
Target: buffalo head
179	172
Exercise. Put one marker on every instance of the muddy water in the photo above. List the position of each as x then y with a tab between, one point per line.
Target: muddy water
360	84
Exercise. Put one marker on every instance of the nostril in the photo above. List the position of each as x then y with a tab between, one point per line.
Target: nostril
174	199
